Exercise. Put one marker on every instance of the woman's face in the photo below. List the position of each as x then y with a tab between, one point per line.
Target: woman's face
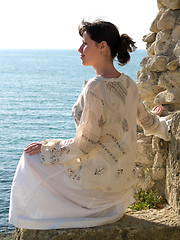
90	51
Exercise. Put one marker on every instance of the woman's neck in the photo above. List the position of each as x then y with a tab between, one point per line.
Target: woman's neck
107	71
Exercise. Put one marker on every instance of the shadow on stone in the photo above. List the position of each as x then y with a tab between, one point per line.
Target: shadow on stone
151	224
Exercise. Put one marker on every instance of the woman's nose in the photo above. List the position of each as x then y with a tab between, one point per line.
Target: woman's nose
80	49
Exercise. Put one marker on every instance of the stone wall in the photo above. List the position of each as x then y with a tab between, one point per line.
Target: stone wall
158	162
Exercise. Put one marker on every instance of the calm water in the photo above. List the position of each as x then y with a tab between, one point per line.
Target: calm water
38	90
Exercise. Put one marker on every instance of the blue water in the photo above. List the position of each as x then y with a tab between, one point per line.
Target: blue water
38	89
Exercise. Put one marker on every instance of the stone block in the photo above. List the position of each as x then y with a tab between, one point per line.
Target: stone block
173	165
162	43
148	85
150	49
149	38
159	4
169	79
177	49
153	27
158	169
144	153
167	20
173	4
168	97
176	33
144	61
173	65
153	224
157	63
158	173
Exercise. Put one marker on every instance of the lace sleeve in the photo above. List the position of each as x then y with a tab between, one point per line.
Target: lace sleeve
88	131
151	123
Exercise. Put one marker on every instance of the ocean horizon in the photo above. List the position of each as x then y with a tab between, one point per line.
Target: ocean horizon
38	90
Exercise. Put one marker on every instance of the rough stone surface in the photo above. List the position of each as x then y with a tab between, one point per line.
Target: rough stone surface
167	20
173	165
162	42
153	27
168	97
176	33
151	163
157	63
177	50
148	85
150	49
172	4
159	84
149	38
173	65
151	224
169	79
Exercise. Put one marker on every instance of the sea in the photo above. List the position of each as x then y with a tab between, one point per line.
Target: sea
37	91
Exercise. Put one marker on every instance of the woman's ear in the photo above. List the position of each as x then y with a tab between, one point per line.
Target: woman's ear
103	45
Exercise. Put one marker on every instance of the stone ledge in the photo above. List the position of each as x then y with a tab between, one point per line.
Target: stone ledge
151	224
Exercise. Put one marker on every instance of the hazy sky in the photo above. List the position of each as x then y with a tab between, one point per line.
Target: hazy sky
53	24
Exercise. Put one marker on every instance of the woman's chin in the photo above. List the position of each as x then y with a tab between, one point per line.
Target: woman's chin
85	64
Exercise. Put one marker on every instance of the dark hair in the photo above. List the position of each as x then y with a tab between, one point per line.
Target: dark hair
100	30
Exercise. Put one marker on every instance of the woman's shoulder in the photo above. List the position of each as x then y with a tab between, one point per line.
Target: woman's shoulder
128	82
92	83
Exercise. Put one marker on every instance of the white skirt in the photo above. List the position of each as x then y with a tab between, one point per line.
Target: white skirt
43	197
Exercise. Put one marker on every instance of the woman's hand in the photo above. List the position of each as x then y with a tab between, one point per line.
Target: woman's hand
158	110
33	148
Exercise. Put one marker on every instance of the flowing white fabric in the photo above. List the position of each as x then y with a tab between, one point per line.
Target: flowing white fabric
43	197
86	181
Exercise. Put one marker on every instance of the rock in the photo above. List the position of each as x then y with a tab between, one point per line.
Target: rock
158	173
143	146
158	169
172	65
156	63
148	105
173	165
153	27
153	224
160	148
172	4
144	61
167	20
168	97
143	161
150	49
148	85
169	79
159	4
149	38
177	49
162	43
144	180
176	33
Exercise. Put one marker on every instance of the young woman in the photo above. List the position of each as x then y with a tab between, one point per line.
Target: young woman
88	181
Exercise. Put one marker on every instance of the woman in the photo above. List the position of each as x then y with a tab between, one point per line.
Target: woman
87	181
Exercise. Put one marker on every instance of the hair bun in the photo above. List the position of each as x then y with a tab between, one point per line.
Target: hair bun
126	45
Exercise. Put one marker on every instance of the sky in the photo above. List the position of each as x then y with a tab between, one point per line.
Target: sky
53	24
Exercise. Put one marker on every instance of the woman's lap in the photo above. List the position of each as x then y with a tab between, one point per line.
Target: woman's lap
45	192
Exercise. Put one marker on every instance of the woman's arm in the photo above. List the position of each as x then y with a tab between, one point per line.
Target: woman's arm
88	131
151	123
